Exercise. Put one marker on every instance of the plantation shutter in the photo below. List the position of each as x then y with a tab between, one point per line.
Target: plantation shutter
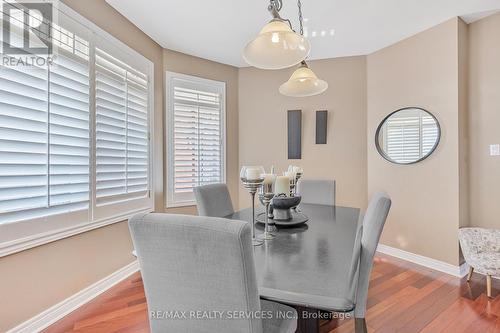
403	138
44	138
122	131
197	149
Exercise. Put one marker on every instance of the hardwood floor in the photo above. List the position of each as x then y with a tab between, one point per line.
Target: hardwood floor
403	297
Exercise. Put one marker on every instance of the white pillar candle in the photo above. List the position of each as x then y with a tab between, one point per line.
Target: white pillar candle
252	173
282	185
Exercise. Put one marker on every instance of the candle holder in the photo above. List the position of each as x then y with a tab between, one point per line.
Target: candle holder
252	184
266	195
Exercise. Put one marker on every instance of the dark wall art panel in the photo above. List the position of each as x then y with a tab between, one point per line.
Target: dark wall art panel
294	134
321	127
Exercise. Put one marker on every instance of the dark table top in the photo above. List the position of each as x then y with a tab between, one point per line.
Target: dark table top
308	265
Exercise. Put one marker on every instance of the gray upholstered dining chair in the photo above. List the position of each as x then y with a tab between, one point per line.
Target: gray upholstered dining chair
193	263
373	224
365	245
213	200
319	192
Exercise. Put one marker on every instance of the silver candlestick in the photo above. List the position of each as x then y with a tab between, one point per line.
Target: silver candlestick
292	186
266	196
298	175
252	185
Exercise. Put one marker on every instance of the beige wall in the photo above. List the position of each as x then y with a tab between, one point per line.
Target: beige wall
419	71
38	278
263	125
484	121
182	63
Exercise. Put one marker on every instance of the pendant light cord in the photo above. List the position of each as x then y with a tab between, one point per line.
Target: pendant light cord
299	4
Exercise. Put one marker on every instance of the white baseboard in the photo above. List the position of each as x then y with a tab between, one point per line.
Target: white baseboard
56	312
458	271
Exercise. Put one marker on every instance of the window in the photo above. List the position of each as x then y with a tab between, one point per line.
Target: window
74	137
196	136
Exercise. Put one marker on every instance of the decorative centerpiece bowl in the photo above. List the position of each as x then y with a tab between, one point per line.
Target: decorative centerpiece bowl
282	206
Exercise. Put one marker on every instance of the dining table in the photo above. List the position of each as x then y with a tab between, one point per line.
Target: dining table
308	266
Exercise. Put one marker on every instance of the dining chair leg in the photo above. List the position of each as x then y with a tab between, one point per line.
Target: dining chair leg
488	285
471	269
360	325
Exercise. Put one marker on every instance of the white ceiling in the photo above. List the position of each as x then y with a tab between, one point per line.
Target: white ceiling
219	29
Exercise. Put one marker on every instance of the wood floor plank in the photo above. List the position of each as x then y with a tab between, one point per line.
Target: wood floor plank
402	307
403	297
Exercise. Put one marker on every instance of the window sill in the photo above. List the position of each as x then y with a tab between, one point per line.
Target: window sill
18	245
180	204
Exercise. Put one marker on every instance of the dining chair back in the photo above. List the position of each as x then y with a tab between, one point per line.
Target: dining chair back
319	192
192	265
373	224
213	200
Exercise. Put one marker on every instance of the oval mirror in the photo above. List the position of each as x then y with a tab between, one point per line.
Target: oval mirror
408	135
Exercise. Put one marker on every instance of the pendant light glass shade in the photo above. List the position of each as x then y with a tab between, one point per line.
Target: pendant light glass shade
277	46
303	83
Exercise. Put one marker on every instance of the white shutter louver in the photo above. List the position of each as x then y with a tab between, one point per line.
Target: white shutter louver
122	131
196	133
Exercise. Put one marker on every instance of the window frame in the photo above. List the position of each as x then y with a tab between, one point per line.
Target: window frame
170	200
25	234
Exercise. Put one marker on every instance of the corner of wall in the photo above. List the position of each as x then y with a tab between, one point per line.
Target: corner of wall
463	122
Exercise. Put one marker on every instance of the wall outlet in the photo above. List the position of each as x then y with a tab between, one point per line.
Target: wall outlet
494	150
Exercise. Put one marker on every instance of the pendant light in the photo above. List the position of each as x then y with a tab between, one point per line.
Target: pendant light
303	83
277	46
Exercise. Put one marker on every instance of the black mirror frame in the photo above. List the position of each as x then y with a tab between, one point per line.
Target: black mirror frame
379	128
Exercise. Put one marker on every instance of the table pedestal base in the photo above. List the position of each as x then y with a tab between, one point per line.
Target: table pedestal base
308	321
